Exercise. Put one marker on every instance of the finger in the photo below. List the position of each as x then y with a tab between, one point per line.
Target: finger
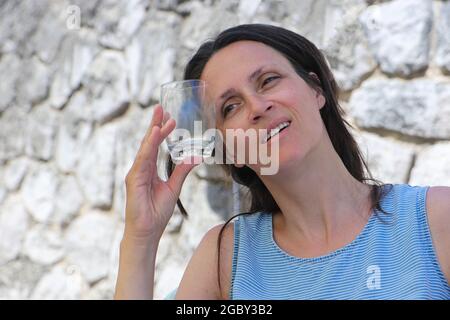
146	157
156	120
166	117
148	152
145	162
157	117
167	129
180	173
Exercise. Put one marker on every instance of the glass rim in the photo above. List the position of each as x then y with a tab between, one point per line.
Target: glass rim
198	83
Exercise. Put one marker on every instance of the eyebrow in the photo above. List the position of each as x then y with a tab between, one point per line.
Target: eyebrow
233	91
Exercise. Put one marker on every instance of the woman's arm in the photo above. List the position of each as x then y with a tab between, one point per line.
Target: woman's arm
438	209
199	282
136	269
150	202
200	278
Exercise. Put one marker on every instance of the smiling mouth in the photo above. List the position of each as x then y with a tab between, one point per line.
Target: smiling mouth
277	130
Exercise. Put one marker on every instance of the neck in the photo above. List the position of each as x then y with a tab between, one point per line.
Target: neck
320	200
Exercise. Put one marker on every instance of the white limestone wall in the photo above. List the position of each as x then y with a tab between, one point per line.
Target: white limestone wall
77	82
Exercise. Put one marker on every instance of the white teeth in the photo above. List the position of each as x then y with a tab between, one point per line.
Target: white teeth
277	129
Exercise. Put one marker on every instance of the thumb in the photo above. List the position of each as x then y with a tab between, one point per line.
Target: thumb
180	173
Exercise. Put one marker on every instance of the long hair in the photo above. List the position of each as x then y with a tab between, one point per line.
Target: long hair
305	57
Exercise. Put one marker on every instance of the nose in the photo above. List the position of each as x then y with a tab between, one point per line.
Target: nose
258	107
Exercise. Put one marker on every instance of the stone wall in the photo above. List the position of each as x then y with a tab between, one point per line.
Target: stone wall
77	82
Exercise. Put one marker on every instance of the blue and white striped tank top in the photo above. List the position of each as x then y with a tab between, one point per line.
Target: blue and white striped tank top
392	258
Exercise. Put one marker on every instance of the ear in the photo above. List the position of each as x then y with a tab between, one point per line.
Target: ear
319	95
320	100
313	75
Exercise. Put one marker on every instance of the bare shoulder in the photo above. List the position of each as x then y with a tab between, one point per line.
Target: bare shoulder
438	210
200	279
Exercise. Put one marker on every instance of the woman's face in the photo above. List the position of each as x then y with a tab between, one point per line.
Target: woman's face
254	87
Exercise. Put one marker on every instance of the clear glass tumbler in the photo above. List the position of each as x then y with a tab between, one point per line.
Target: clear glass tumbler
194	134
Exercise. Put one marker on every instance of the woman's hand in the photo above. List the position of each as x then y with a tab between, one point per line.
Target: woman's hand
150	201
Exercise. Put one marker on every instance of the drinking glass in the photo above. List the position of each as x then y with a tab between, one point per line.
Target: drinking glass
194	134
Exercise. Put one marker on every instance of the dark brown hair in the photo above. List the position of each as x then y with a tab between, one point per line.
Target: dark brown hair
305	57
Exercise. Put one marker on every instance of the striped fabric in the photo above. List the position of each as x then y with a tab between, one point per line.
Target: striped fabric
392	258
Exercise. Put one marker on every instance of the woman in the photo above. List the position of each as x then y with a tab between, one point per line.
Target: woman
316	229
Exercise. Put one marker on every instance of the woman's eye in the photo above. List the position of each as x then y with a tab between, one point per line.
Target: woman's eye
228	108
269	79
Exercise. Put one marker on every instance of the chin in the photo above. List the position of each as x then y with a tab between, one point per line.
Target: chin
287	163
